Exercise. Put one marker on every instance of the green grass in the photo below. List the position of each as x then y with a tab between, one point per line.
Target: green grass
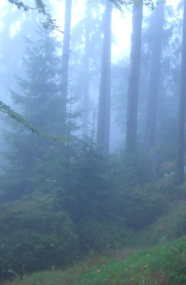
158	265
165	228
163	265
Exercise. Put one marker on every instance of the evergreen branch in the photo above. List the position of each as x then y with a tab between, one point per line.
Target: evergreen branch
48	23
40	6
20	5
5	109
120	3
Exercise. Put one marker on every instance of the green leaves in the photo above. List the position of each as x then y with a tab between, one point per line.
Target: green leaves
5	109
149	3
34	237
20	5
48	21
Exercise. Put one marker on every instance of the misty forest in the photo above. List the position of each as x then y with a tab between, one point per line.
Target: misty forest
92	142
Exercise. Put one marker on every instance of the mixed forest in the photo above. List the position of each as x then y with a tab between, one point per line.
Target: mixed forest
92	146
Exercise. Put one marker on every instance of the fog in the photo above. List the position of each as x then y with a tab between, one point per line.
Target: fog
92	124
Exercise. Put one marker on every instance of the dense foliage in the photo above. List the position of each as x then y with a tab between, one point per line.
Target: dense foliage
35	236
60	197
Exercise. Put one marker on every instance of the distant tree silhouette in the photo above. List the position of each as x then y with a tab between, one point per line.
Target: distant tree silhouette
181	115
66	53
86	71
152	100
104	93
134	75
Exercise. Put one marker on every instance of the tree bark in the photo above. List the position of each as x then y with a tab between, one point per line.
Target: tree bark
103	131
65	54
134	75
86	73
152	103
179	179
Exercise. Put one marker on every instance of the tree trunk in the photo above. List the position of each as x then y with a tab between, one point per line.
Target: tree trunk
103	131
152	103
65	54
86	73
134	75
179	179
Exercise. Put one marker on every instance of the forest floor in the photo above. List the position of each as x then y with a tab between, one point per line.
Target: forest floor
158	258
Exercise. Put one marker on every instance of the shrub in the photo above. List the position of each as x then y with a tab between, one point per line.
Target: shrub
102	235
140	205
34	237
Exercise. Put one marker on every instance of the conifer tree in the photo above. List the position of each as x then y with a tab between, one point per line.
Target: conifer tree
66	54
134	76
86	76
152	104
181	114
103	132
40	101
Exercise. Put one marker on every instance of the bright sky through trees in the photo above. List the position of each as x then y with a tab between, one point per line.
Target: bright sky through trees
121	23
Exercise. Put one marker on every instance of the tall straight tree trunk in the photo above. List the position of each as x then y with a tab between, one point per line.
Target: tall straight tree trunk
86	72
152	103
179	179
134	75
65	54
103	131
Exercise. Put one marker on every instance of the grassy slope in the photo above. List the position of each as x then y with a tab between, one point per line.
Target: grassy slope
162	264
162	230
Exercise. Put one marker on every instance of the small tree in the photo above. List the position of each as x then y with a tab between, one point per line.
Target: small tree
40	100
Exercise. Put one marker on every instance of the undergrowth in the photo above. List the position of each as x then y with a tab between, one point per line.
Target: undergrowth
162	265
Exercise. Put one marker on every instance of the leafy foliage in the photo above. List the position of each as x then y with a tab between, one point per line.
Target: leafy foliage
20	4
5	109
39	92
49	22
120	3
77	200
34	236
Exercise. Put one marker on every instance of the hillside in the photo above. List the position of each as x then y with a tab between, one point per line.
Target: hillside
158	257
